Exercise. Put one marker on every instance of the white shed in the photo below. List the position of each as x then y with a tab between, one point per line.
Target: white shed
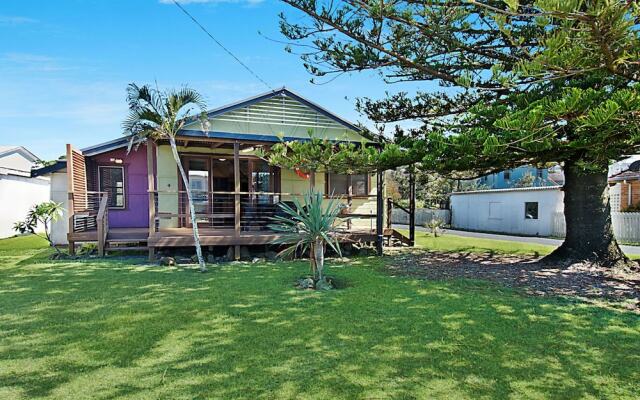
521	211
18	190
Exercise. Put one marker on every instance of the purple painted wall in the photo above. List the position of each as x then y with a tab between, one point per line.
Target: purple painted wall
136	211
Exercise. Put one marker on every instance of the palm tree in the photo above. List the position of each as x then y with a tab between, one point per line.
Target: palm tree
159	115
309	226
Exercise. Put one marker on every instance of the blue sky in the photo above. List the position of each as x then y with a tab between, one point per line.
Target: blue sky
64	65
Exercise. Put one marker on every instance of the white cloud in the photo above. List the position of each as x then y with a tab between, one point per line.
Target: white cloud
32	62
12	20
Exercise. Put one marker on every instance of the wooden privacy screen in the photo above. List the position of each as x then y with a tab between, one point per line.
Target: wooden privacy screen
77	180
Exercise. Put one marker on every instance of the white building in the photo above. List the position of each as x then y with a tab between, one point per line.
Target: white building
520	211
18	190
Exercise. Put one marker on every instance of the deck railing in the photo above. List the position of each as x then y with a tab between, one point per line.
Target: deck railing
232	211
85	211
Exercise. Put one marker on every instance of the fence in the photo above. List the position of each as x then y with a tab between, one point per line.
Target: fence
423	215
626	226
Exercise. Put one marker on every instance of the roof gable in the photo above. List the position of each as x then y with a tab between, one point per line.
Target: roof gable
275	112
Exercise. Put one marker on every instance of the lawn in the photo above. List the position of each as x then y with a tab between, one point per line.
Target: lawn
118	328
451	243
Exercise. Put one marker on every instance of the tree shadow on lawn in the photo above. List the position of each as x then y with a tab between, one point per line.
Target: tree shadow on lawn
525	272
105	329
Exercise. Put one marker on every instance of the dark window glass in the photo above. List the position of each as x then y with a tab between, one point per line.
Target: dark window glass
507	175
540	172
112	182
531	210
339	184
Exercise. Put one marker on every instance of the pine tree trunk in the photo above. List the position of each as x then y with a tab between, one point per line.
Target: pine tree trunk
589	233
192	210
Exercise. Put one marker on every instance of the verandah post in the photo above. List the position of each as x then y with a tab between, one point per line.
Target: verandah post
152	204
412	207
236	177
380	213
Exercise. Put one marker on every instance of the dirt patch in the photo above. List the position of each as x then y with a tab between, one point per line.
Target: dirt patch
527	273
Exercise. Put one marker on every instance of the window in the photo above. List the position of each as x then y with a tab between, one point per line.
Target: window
540	173
339	184
506	175
531	210
112	182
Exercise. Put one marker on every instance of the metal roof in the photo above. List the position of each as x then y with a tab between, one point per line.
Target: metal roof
524	189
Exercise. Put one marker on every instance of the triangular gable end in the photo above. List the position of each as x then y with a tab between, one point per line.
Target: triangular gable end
280	112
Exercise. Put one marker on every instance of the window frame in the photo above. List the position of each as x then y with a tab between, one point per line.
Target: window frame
124	184
367	181
537	215
506	174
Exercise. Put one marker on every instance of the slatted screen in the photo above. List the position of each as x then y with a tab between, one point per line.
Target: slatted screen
281	110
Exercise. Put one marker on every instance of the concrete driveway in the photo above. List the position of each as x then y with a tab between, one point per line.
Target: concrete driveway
630	250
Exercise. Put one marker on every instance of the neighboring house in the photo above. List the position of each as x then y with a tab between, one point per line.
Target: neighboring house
511	178
18	190
624	185
523	211
115	197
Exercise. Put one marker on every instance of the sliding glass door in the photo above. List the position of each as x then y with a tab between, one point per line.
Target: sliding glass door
212	182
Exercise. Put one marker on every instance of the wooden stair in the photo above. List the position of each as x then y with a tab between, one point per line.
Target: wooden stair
123	240
399	237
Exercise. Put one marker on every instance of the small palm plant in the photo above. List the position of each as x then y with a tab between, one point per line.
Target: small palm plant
159	115
41	215
309	226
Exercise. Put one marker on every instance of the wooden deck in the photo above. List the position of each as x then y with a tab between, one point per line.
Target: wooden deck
183	237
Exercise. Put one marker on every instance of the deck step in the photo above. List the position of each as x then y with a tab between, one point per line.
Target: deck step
126	248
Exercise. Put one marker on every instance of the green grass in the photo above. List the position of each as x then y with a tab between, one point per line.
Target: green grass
454	243
121	329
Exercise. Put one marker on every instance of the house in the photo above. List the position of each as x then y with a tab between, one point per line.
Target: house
624	186
117	198
18	190
513	177
532	211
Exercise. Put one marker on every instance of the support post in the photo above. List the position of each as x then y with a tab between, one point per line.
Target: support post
151	182
380	213
236	196
72	247
312	180
412	207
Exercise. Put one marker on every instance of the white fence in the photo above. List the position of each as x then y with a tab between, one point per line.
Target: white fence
626	226
423	215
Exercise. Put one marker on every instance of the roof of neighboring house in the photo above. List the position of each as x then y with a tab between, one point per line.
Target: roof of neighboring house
523	189
5	150
283	91
632	173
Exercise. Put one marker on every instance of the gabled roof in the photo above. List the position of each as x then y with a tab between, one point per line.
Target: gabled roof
100	148
6	150
283	91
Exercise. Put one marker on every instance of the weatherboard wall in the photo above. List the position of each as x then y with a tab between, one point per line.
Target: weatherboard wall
135	214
